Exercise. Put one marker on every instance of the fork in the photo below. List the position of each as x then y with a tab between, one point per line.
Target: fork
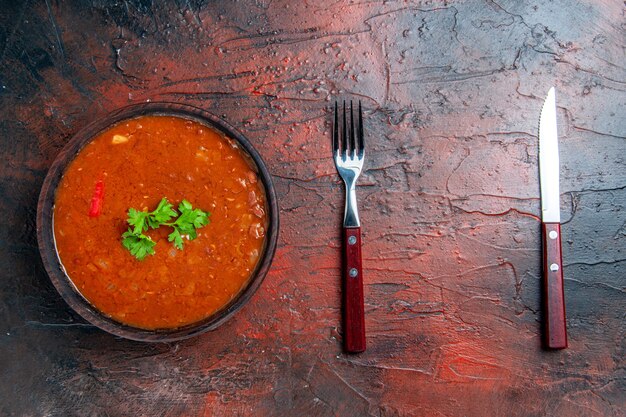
348	154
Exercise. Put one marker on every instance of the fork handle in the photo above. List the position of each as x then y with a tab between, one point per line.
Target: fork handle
354	316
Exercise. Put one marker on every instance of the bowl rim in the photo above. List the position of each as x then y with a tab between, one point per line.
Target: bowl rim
45	223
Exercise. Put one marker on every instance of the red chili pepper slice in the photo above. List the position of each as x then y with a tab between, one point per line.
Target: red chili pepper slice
95	208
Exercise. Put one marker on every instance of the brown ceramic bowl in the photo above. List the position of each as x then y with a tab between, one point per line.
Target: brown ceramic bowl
45	223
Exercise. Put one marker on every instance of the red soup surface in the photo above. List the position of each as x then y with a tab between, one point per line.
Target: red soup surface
135	164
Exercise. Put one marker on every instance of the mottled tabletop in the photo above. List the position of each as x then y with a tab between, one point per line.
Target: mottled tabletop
449	202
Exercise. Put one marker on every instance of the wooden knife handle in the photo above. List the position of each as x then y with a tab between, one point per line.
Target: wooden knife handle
354	316
554	298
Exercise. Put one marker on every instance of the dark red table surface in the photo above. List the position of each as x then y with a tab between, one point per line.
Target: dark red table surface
449	203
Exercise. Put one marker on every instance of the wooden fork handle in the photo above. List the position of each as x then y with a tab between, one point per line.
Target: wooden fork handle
554	298
354	316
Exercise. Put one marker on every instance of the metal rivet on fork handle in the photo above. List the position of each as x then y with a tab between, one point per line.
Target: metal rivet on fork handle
354	272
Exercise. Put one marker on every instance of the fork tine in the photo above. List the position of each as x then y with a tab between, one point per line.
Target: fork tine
352	141
336	132
344	139
360	135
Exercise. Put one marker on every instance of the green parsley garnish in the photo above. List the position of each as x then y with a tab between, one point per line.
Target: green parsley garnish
139	245
184	226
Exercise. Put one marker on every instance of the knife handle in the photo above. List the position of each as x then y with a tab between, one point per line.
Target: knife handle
554	298
354	316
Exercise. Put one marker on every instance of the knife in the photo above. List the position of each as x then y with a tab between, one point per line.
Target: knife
554	298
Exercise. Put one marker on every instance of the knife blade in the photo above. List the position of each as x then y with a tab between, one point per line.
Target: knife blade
554	297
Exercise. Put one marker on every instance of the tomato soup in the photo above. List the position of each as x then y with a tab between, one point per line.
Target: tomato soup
135	164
